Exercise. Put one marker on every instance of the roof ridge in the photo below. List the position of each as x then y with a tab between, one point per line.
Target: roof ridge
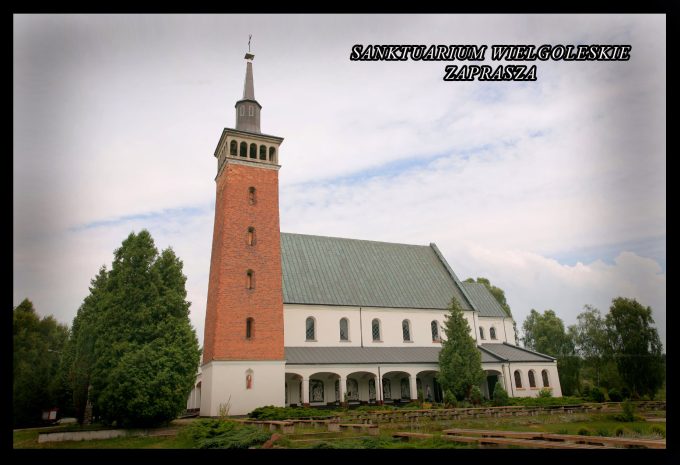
451	273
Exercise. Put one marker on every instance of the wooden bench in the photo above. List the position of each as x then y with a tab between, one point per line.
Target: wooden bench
286	427
372	429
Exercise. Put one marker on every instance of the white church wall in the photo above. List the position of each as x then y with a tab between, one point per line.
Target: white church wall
327	321
499	325
526	390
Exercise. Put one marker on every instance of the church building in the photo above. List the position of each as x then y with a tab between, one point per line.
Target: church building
294	319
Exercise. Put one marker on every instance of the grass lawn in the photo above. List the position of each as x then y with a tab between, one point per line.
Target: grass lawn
310	437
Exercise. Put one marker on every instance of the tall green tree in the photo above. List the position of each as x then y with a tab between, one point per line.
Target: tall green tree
592	344
38	343
144	351
79	357
636	345
545	333
460	363
499	295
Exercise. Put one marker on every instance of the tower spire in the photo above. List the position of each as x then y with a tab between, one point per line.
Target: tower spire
248	109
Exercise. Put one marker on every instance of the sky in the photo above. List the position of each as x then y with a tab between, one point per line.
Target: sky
555	190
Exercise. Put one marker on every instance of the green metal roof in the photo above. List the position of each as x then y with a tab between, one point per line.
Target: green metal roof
336	271
491	353
483	300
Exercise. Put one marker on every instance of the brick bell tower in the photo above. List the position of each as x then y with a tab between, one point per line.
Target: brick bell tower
243	356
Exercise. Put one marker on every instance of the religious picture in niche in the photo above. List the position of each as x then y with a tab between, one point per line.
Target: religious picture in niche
249	379
405	389
352	389
316	390
387	393
371	389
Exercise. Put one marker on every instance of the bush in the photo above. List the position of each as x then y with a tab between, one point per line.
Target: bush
596	394
659	431
545	393
500	395
619	432
583	432
615	395
450	399
625	393
270	412
219	434
585	392
475	395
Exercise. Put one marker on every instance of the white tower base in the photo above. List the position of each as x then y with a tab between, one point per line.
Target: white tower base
226	382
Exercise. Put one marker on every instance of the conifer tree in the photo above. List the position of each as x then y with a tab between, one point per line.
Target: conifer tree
460	363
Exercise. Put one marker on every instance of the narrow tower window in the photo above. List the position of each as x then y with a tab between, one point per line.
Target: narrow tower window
241	111
251	236
492	333
375	329
272	154
309	329
406	330
251	110
250	281
253	150
344	330
251	195
263	153
243	149
233	148
249	328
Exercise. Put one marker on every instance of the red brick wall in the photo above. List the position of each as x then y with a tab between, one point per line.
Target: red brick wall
230	304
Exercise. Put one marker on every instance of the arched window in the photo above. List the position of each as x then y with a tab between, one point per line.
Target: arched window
532	379
249	328
253	150
250	279
406	330
242	110
518	379
272	154
233	148
243	151
481	332
251	110
344	329
250	238
251	195
434	326
375	329
492	332
263	153
310	329
544	374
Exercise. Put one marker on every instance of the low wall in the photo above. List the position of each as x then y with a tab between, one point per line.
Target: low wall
81	435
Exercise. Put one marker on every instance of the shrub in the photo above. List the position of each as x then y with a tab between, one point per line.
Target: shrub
545	393
625	393
583	432
596	394
270	412
475	395
500	395
219	434
585	392
659	431
450	399
628	413
615	395
619	432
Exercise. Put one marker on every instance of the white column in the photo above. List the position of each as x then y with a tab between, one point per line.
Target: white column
305	391
414	387
378	390
342	388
